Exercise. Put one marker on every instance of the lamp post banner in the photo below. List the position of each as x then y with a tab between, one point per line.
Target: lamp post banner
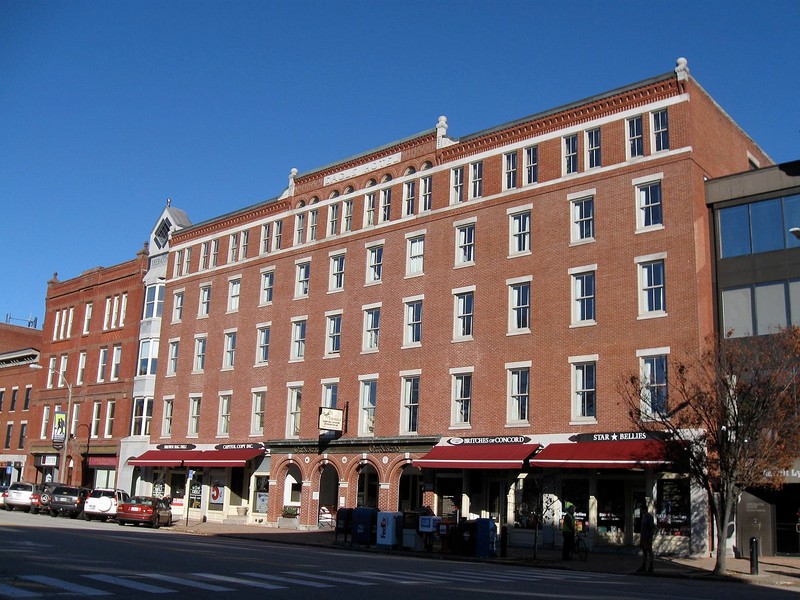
60	427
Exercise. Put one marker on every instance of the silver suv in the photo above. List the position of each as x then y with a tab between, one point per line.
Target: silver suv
19	496
102	503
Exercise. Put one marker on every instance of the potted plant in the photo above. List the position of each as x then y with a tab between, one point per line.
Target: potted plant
288	518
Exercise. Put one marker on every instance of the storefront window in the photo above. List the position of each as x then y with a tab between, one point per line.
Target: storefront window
528	502
673	507
196	491
178	487
262	494
610	507
576	491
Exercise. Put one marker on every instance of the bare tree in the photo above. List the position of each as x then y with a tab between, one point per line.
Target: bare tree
730	414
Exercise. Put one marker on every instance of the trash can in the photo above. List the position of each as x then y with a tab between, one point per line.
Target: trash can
364	525
462	539
485	538
390	529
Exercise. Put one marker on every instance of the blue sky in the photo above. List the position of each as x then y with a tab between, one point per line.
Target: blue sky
109	108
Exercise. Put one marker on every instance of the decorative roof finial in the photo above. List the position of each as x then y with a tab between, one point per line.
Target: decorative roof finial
681	68
169	201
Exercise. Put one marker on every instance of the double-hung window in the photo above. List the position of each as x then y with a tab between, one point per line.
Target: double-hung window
409	198
303	275
426	192
461	412
652	285
333	219
153	301
510	170
412	335
336	279
224	417
372	327
660	131
571	154
267	286
166	417
177	306
348	216
457	185
649	213
582	217
519	301
195	403
266	238
583	295
233	247
300	229
294	411
262	343
415	248
369	209
102	365
234	288
374	263
653	380
299	338
172	358
465	243
635	137
313	218
333	342
593	156
259	403
463	312
205	301
96	412
330	392
519	231
369	401
476	179
229	352
410	412
386	205
148	357
277	235
199	353
531	164
214	253
584	387
518	392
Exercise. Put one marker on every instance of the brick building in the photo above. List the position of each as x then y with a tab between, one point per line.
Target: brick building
19	348
89	356
462	309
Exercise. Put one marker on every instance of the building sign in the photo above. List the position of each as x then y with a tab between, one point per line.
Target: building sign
365	168
245	446
501	439
790	475
617	436
60	427
176	447
102	461
331	419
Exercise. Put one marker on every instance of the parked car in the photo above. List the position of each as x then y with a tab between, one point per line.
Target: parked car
3	494
145	509
102	503
19	496
40	498
68	500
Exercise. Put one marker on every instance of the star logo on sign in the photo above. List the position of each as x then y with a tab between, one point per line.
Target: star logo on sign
613	437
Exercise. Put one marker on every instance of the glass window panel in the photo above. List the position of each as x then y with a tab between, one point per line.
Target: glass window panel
794	302
770	307
766	223
737	312
791	214
734	231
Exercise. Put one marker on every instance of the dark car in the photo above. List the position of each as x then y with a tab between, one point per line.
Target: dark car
145	509
40	498
68	500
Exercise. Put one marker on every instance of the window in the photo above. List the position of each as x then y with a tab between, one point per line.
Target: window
519	306
204	249
374	263
330	393
115	311
413	323
116	360
457	190
102	364
410	404
303	276
277	235
462	398
582	218
9	435
257	414
333	219
51	372
635	137
234	287
333	341
654	384
98	406
166	417
426	191
148	357
571	154
336	281
369	209
518	393
262	344
416	254
62	371
177	307
267	286
87	317
214	253
153	301
476	179
298	338
45	422
372	328
300	229
463	314
266	238
81	367
583	303
348	215
76	413
27	403
195	404
386	205
313	217
510	170
176	268
465	244
369	400
593	158
409	198
224	417
23	432
584	377
648	200
294	412
108	430
142	414
652	286
205	301
199	353
660	131
172	359
520	232
532	164
229	352
187	260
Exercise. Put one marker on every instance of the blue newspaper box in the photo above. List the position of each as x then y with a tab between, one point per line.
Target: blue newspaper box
364	522
485	538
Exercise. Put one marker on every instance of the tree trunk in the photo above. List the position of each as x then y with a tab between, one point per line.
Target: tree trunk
723	518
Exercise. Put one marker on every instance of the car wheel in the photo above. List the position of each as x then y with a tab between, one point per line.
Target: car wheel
87	517
34	511
53	513
121	523
157	522
44	499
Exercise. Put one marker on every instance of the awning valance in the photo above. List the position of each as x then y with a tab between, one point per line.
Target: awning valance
196	458
477	456
603	455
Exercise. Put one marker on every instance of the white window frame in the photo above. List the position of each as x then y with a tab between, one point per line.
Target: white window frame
409	409
333	218
659	134
644	265
313	222
333	333
515	393
516	308
258	410
299	228
299	332
172	356
204	301
425	193
409	198
370	207
267	286
457	194
200	349
224	414
347	219
412	321
167	415
229	349
234	293
97	410
87	317
108	427
178	296
337	266
458	398
374	272
81	368
532	164
385	209
643	187
302	278
463	318
578	366
294	408
510	171
465	242
367	404
476	179
593	143
372	327
277	234
263	333
645	377
580	296
195	411
569	146
582	228
415	253
634	148
519	236
102	365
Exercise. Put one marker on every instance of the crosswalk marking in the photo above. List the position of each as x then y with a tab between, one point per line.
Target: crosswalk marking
383	577
228	579
326	578
8	591
188	582
65	585
295	581
130	583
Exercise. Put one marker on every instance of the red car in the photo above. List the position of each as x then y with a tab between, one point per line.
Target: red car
145	509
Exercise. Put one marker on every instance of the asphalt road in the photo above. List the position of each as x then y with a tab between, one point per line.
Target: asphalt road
43	557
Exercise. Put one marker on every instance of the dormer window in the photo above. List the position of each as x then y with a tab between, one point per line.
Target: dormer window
161	236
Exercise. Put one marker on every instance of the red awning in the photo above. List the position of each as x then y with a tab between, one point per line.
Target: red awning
477	456
603	455
196	458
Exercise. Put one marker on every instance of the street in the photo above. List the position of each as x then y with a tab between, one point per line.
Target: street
44	557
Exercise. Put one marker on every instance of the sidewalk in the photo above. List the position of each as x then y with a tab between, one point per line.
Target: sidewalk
779	571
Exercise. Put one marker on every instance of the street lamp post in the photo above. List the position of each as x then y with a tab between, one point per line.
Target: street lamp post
62	379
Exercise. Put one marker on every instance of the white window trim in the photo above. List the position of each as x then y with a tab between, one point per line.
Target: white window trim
329	353
332	256
362	379
259	326
261	273
577	360
645	413
290	387
455	372
512	212
456	292
641	300
292	355
517	366
510	283
637	183
406	323
365	308
574	320
457	227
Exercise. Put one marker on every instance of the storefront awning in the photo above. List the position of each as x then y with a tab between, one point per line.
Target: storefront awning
196	458
477	456
603	455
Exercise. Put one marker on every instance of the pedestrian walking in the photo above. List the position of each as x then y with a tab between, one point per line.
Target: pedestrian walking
568	532
646	533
